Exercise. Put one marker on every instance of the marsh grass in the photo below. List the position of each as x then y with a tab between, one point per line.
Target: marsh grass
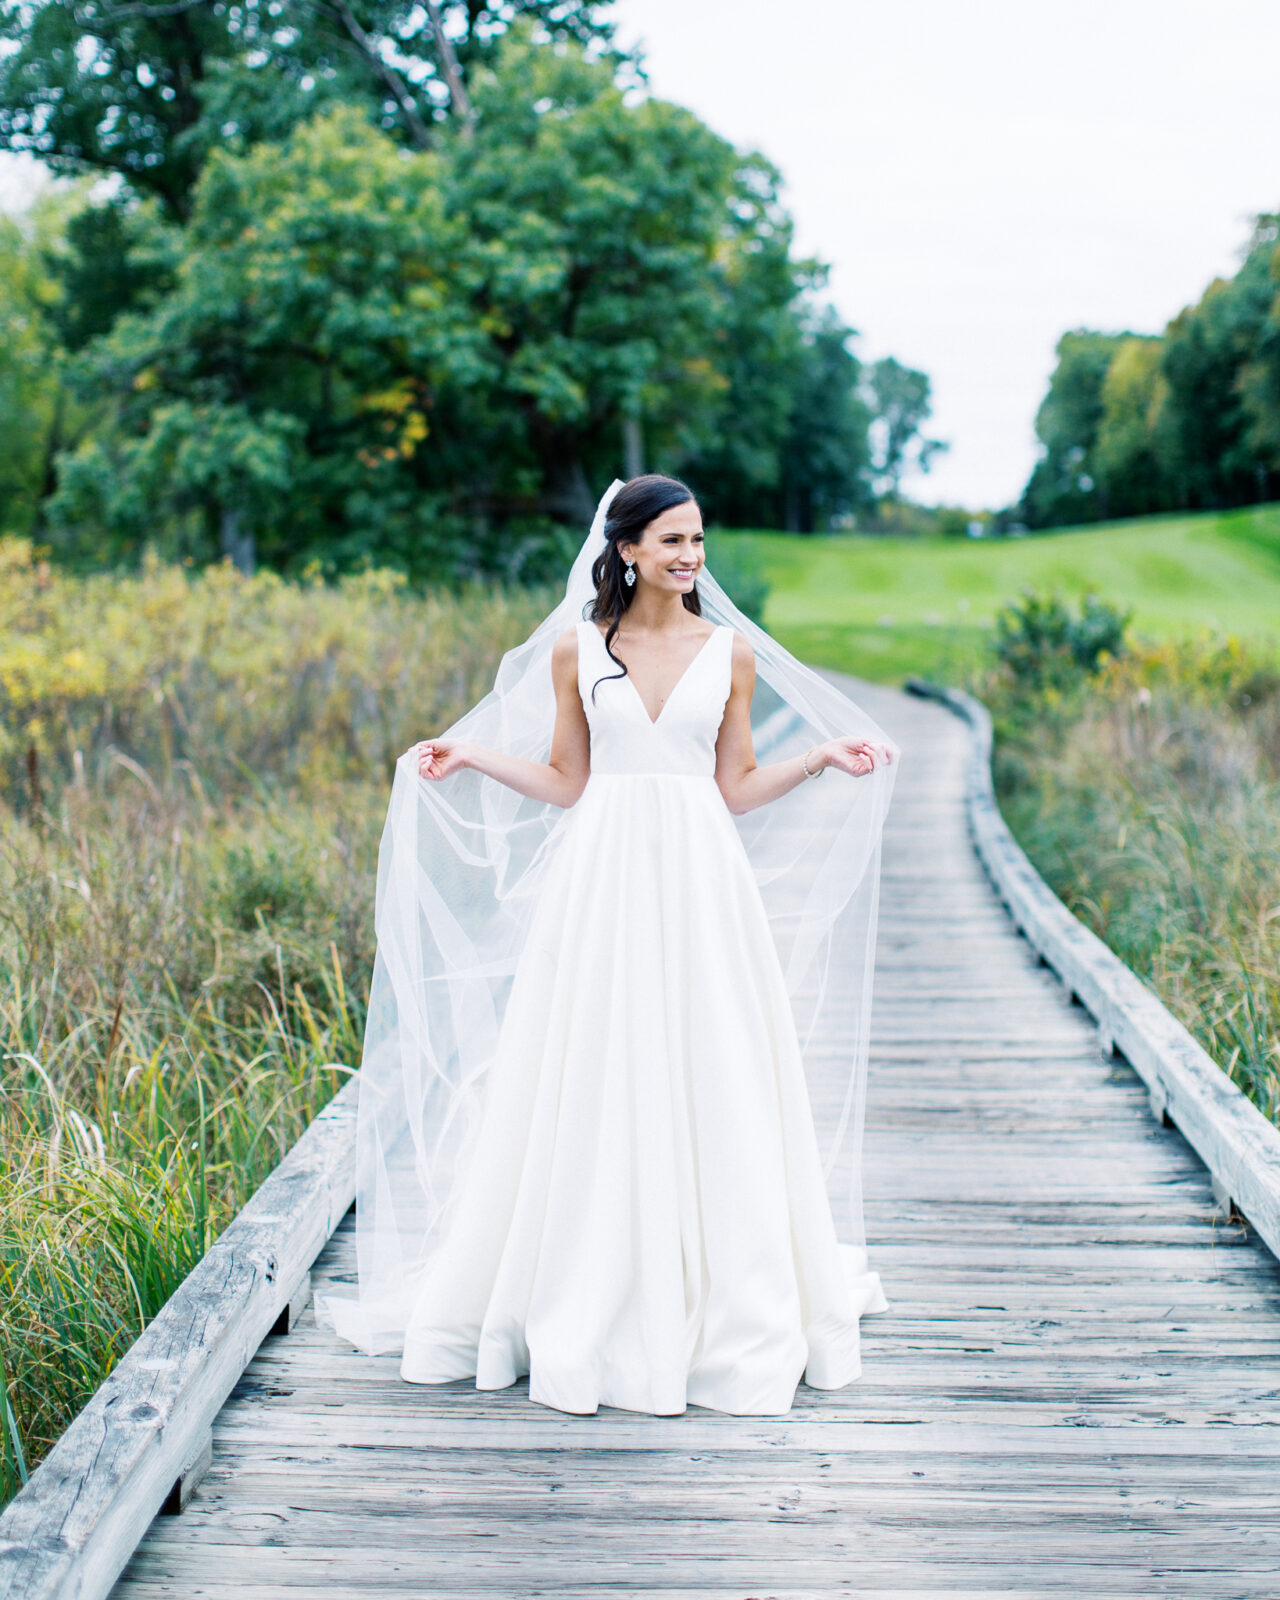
193	779
1149	798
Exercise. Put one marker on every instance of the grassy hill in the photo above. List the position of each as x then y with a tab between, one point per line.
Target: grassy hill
885	607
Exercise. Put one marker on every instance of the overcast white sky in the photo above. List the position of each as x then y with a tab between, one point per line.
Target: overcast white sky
983	175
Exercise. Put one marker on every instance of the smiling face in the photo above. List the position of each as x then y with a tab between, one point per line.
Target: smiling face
669	555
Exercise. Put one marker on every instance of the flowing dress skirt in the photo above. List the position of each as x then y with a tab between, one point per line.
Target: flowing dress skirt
644	1221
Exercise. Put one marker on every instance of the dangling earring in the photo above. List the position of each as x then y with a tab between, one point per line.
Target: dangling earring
630	575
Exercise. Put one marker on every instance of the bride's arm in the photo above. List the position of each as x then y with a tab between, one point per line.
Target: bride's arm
743	784
562	777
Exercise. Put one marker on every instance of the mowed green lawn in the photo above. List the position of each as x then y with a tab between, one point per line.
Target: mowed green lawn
882	608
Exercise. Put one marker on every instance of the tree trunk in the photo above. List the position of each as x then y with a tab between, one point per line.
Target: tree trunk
633	445
49	466
568	495
400	90
790	509
458	97
237	541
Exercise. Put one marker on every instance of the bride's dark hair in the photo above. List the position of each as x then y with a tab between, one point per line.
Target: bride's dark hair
631	511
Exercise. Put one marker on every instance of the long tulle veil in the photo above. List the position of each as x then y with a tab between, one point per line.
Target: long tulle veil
458	873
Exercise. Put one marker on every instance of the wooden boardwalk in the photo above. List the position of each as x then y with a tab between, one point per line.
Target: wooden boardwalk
1074	1392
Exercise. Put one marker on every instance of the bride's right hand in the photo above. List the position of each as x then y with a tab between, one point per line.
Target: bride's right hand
439	758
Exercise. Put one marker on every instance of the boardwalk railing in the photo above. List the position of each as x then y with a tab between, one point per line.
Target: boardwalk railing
143	1440
1240	1147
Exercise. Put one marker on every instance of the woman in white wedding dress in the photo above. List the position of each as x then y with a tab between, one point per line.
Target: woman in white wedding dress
638	1215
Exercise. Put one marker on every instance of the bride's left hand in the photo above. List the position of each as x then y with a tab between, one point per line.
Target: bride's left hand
439	758
855	756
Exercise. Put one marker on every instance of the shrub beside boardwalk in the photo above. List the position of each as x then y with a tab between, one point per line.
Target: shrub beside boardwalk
1148	798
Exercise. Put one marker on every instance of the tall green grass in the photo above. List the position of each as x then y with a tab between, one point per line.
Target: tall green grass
193	779
1148	796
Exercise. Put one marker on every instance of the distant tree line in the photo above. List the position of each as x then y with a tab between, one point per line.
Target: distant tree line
383	282
1184	420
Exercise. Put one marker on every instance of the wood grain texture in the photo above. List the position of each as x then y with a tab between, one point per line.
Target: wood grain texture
1075	1390
1240	1146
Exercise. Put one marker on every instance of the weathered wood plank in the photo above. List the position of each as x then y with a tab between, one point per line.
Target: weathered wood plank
1240	1147
873	1583
1074	1392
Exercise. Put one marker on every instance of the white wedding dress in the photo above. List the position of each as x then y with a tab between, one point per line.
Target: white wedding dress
643	1220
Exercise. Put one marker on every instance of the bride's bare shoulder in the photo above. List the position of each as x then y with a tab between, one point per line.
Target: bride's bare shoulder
743	661
565	648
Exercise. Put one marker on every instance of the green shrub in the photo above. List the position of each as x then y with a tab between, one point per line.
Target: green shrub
1148	796
738	571
1042	645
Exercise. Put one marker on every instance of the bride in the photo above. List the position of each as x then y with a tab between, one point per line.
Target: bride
587	1148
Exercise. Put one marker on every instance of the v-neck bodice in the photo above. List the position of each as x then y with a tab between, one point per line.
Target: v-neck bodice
682	738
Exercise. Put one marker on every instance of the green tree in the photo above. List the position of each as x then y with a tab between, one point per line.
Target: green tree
900	405
428	357
274	400
41	414
730	448
787	444
1260	376
27	390
1125	457
826	458
1213	426
1134	424
328	334
1064	486
606	241
148	90
114	256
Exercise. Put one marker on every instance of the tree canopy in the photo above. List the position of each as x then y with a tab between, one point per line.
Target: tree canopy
1186	420
322	320
148	89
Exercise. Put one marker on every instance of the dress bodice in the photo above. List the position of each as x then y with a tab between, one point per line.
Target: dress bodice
682	738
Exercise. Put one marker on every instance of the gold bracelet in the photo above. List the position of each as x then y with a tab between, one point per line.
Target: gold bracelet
804	762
